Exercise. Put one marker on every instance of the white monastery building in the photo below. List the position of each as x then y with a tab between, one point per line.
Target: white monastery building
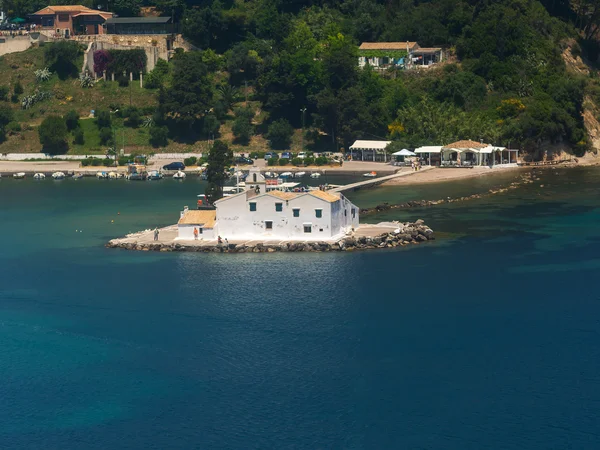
258	214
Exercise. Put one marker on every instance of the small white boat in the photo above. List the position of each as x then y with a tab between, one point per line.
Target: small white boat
286	175
39	176
269	174
58	175
370	174
315	175
179	175
155	175
102	175
113	175
19	175
299	174
77	176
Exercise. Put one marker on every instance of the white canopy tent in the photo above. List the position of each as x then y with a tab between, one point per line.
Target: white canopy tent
404	152
375	147
472	153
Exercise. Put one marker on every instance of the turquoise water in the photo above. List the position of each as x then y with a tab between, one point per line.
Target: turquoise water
487	338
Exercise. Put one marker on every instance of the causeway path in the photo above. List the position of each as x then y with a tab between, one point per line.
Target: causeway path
369	182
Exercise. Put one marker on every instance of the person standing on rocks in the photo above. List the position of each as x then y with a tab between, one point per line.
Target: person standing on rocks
156	234
195	233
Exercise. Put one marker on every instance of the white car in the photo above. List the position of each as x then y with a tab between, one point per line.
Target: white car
302	155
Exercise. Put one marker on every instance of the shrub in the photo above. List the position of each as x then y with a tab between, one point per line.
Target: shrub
242	130
103	119
158	136
72	120
309	160
271	162
123	160
191	161
283	161
280	134
18	88
86	80
61	56
257	155
211	125
13	128
297	161
134	120
108	162
96	162
4	90
106	136
320	160
42	75
123	81
78	137
53	135
14	98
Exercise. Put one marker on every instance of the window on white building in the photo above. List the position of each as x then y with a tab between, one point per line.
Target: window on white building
252	206
308	227
278	207
353	213
318	213
269	224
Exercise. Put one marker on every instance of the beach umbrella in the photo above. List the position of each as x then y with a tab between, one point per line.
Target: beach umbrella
404	152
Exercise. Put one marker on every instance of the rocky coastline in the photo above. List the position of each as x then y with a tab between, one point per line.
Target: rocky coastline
404	234
527	178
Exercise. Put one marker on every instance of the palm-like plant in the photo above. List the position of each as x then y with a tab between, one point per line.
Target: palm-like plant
42	74
229	95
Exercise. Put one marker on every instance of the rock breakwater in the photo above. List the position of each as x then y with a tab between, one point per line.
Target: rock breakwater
403	234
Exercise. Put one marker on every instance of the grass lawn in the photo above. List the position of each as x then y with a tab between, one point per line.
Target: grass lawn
132	140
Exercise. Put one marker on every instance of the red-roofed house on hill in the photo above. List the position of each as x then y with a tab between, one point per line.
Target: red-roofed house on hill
68	20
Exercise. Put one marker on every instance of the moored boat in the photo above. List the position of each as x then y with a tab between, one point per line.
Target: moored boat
58	175
155	175
179	175
102	175
39	176
299	174
370	174
286	175
19	175
315	175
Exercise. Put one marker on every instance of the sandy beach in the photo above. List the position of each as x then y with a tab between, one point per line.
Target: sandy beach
436	175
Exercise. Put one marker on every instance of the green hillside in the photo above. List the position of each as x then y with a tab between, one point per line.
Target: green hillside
265	61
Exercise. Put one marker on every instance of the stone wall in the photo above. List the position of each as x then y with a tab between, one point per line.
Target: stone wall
14	44
155	46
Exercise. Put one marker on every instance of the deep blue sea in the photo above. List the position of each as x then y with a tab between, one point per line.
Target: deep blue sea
487	338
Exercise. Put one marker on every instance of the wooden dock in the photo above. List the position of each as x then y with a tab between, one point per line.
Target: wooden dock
370	182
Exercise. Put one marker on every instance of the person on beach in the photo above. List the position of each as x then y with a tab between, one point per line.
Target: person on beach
195	233
219	240
226	242
156	234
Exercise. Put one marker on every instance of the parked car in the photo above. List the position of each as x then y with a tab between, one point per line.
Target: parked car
269	155
286	155
243	160
174	166
302	155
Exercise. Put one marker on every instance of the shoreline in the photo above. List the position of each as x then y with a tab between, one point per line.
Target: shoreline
366	236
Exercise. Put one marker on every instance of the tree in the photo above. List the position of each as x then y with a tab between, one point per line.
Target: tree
103	119
219	159
126	8
53	135
190	95
61	57
6	116
242	128
134	120
72	120
4	90
280	134
158	136
106	136
78	137
158	76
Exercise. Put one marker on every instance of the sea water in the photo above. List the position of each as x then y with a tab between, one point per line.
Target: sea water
486	338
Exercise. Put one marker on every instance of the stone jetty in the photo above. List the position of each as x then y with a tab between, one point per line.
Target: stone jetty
378	236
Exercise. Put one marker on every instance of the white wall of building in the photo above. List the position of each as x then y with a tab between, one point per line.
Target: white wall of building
186	232
236	221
